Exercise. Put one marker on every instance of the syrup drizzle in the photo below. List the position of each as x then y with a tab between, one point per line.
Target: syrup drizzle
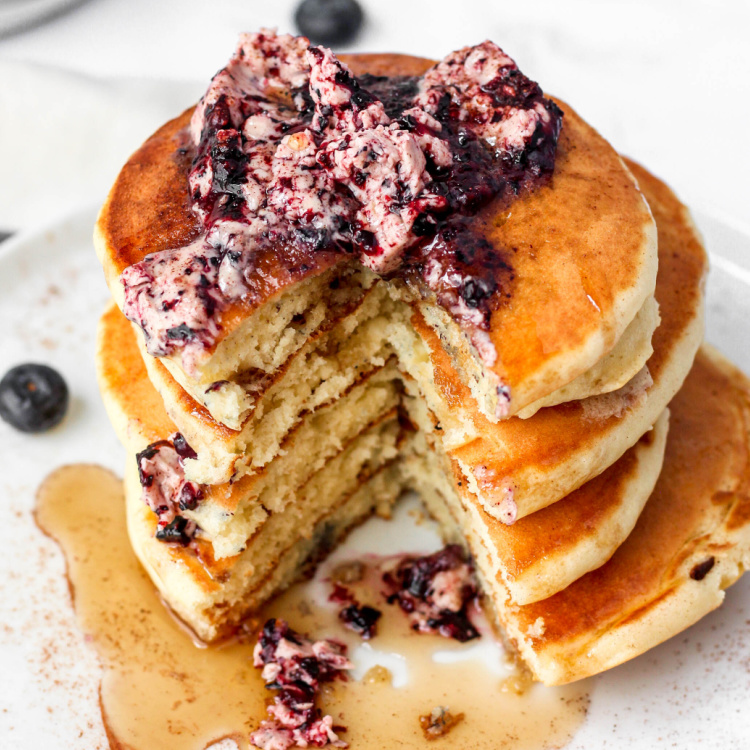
160	690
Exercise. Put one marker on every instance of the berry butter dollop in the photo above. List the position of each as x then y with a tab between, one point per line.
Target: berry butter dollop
166	491
296	666
435	591
297	163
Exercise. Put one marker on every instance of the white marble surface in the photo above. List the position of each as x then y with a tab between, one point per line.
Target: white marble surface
667	81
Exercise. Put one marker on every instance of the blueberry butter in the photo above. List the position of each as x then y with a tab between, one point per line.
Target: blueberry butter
297	163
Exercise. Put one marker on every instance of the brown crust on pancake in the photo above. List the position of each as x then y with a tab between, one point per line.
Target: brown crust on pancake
683	262
121	372
147	209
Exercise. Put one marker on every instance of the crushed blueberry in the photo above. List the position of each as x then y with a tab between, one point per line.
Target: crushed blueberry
435	591
361	619
166	491
297	163
296	666
700	570
175	531
33	397
182	447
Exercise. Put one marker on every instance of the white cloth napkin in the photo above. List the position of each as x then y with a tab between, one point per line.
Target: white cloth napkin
64	136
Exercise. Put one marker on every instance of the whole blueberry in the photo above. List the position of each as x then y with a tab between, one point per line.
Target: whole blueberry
329	21
33	398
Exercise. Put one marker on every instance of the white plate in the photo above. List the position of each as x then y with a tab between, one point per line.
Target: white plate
691	691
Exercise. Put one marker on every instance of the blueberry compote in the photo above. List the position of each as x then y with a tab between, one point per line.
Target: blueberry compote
436	591
298	164
166	491
295	667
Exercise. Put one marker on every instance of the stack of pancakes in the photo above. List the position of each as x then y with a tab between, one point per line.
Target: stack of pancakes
599	483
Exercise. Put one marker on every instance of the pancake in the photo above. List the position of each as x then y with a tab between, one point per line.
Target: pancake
230	514
547	456
330	389
211	592
331	363
538	460
589	229
606	508
213	595
691	542
232	401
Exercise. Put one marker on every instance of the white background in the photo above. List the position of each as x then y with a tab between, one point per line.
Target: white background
666	81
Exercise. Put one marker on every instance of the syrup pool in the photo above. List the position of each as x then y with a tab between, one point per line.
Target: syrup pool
160	689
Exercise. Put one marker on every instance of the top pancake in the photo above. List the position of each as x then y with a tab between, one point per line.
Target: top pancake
584	244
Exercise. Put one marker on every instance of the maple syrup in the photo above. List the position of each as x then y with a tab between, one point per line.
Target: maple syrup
160	688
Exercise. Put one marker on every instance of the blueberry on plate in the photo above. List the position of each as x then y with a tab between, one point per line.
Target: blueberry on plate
33	398
329	21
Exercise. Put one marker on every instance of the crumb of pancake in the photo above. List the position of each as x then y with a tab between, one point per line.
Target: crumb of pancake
351	571
165	490
435	591
519	681
537	628
296	667
438	722
378	675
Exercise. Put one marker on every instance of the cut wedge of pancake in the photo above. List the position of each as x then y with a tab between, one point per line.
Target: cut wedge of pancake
232	401
352	433
691	541
358	431
585	243
331	363
213	595
543	553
